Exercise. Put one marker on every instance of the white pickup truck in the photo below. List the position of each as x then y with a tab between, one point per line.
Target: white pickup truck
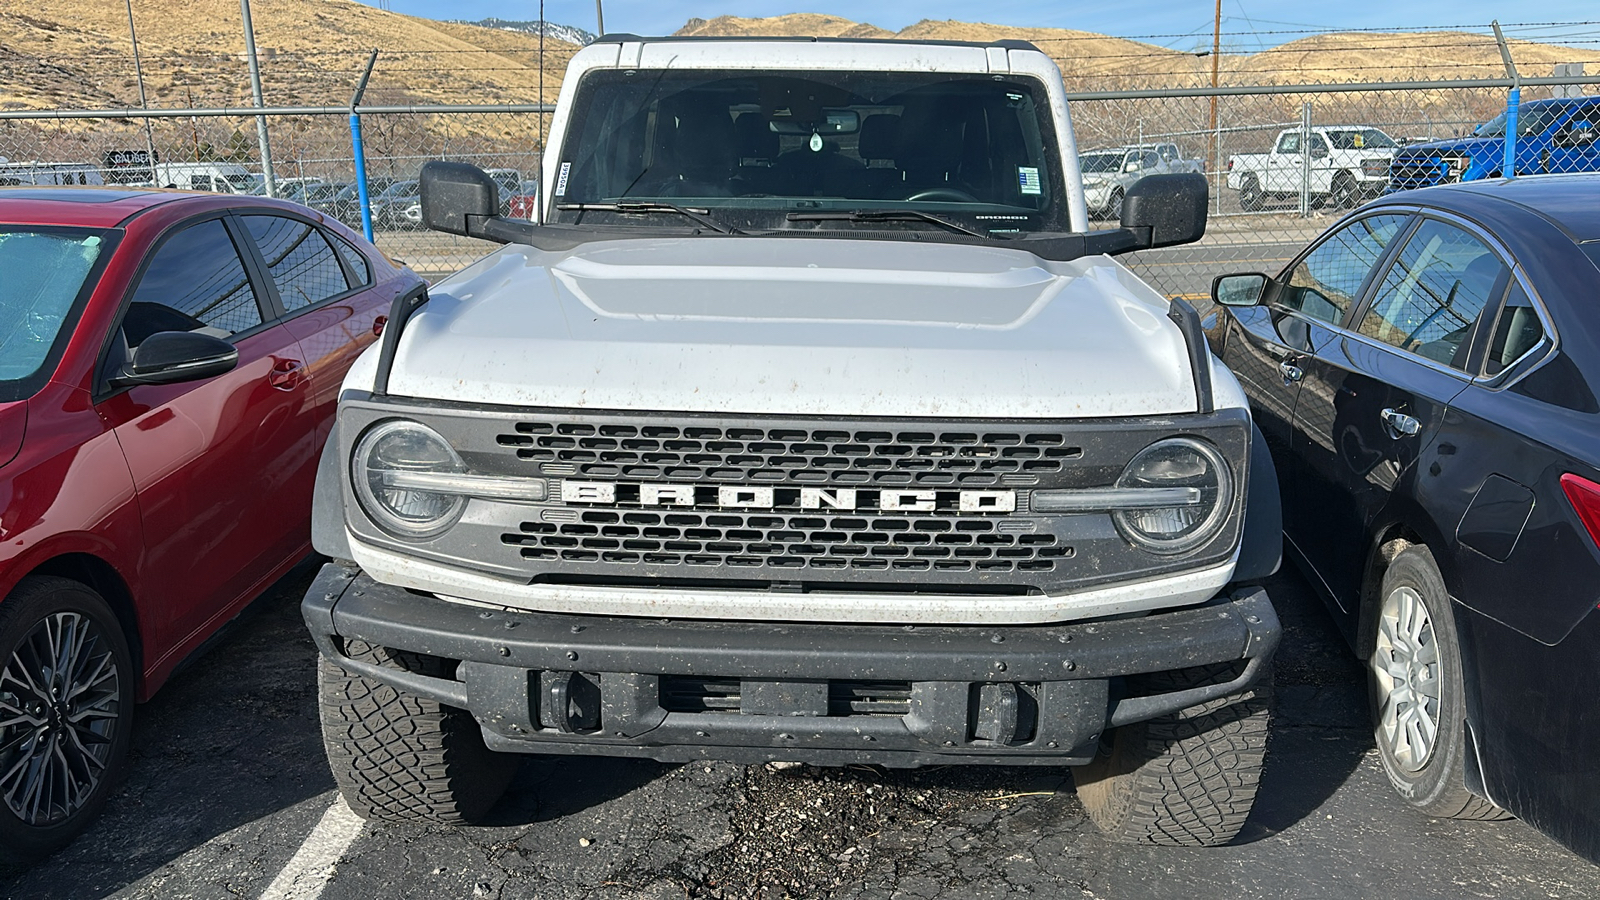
1348	164
808	422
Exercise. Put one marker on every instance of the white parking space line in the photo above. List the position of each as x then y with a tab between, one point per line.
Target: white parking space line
311	867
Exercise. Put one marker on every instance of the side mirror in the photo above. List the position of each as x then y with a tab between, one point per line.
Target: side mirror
1163	210
169	357
458	198
1238	290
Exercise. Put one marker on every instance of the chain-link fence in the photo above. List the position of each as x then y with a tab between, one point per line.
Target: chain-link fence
1282	162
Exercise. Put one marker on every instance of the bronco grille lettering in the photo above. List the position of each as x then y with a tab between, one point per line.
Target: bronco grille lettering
606	493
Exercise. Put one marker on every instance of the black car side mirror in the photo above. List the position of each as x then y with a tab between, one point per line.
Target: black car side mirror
1238	290
169	357
1163	210
458	198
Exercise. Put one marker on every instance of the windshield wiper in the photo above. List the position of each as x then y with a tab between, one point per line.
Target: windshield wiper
699	216
883	215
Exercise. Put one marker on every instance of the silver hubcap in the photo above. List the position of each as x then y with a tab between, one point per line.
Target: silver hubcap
1405	666
60	696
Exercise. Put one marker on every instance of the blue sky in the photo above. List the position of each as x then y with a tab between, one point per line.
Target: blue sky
1172	19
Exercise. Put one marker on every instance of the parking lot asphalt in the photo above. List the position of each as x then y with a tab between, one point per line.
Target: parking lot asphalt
228	782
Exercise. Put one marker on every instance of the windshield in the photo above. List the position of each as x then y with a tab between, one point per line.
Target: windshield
42	273
768	151
1097	163
1360	139
1530	120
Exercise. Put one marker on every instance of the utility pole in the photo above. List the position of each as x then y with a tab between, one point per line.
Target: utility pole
255	91
599	23
138	73
1216	136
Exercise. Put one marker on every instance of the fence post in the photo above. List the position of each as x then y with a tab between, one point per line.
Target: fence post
1508	165
1305	159
357	151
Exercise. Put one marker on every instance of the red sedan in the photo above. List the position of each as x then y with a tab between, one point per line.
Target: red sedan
169	366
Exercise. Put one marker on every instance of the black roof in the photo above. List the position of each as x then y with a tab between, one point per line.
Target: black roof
621	37
1570	202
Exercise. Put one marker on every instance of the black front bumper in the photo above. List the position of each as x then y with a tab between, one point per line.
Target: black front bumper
676	690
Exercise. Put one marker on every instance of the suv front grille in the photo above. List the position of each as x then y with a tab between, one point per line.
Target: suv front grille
924	543
791	455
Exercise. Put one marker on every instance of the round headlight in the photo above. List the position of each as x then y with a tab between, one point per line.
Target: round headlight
383	456
1177	463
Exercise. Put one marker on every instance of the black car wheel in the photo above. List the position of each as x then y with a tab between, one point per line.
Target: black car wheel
1414	668
402	758
1345	194
1187	779
66	705
1250	198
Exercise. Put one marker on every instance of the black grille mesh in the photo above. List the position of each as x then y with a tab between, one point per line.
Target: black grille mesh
791	455
928	543
693	694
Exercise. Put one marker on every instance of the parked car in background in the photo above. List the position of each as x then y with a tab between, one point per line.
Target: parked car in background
38	172
1552	136
169	366
1172	157
524	201
1348	164
345	204
1107	175
1427	375
388	208
216	177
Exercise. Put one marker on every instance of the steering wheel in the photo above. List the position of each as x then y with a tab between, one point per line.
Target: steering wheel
943	194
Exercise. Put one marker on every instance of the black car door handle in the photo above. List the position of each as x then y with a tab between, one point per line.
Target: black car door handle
1399	424
1291	372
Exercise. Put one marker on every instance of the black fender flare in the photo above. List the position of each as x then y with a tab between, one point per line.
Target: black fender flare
1261	549
328	535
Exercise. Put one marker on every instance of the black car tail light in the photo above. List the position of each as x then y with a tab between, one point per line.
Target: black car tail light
1585	498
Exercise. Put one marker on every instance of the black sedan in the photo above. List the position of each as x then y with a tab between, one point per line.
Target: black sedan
1425	374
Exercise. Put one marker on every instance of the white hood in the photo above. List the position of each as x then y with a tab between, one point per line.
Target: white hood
797	326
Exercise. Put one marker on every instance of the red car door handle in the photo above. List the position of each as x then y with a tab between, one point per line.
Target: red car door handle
287	374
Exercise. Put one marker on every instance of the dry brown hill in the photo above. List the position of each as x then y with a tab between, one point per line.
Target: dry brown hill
793	25
71	53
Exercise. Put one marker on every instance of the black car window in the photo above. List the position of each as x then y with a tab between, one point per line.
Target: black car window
195	282
1517	331
301	262
1325	284
1435	292
357	261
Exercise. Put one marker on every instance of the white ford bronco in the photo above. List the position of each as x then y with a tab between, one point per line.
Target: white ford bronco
808	421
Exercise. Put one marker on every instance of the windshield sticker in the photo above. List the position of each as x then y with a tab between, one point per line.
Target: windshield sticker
561	182
1029	177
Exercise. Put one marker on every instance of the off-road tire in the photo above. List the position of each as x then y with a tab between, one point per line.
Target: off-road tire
35	599
1250	196
1114	205
398	757
1439	787
1187	779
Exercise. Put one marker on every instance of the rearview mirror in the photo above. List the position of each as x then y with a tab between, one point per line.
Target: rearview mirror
1238	290
457	198
1163	210
170	357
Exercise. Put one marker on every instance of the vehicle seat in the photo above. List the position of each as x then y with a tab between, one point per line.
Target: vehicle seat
701	157
930	155
876	144
1472	291
758	147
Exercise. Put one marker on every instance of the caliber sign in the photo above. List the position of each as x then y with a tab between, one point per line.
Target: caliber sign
607	493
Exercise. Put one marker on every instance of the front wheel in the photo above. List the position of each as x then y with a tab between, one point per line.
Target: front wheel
1414	669
1345	193
66	710
1187	779
402	758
